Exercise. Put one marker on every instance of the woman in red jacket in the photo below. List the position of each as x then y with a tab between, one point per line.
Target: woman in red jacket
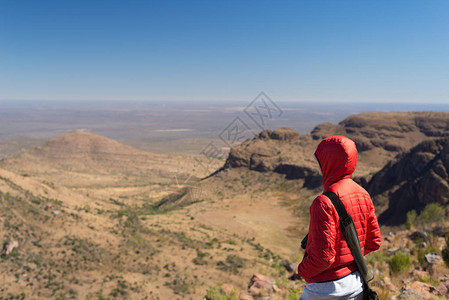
328	266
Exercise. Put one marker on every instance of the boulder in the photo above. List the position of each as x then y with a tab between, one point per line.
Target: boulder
419	236
290	267
10	246
443	289
261	286
432	258
245	296
420	274
229	289
418	290
260	281
439	231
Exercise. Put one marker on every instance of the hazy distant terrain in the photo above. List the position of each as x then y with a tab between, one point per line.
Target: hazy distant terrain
171	127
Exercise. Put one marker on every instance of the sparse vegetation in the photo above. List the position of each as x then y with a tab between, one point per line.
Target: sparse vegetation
131	235
219	294
121	290
410	218
293	294
399	262
180	285
433	212
232	264
375	257
200	258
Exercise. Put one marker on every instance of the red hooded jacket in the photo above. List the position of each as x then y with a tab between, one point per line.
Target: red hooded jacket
327	255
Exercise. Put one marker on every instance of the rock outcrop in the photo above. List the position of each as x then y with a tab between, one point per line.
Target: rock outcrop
417	175
10	246
412	180
282	151
393	132
418	290
378	137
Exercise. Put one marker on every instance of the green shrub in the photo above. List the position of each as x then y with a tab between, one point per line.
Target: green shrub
374	257
293	294
433	212
218	294
179	285
411	217
399	262
200	258
121	290
232	264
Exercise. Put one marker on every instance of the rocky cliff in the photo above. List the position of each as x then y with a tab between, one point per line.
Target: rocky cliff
282	151
403	158
411	181
378	136
394	132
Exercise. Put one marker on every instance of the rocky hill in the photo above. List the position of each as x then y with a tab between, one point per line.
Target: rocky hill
378	136
402	158
106	167
86	152
281	151
395	132
411	181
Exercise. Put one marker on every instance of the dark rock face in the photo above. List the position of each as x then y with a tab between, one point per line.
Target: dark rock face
413	180
237	158
312	178
278	151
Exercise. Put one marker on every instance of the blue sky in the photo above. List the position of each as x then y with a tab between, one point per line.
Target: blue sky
363	51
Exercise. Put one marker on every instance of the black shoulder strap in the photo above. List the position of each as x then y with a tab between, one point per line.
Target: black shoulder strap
350	235
345	218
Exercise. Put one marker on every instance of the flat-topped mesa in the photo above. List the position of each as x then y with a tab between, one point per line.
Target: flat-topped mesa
263	151
393	131
281	134
281	151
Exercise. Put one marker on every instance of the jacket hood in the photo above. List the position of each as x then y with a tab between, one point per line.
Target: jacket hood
337	156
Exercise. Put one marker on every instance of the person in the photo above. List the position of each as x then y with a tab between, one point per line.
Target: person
328	266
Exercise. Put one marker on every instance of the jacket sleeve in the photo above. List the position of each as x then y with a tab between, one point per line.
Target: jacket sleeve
320	250
373	236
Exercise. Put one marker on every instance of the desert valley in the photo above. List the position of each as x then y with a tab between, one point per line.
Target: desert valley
83	216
